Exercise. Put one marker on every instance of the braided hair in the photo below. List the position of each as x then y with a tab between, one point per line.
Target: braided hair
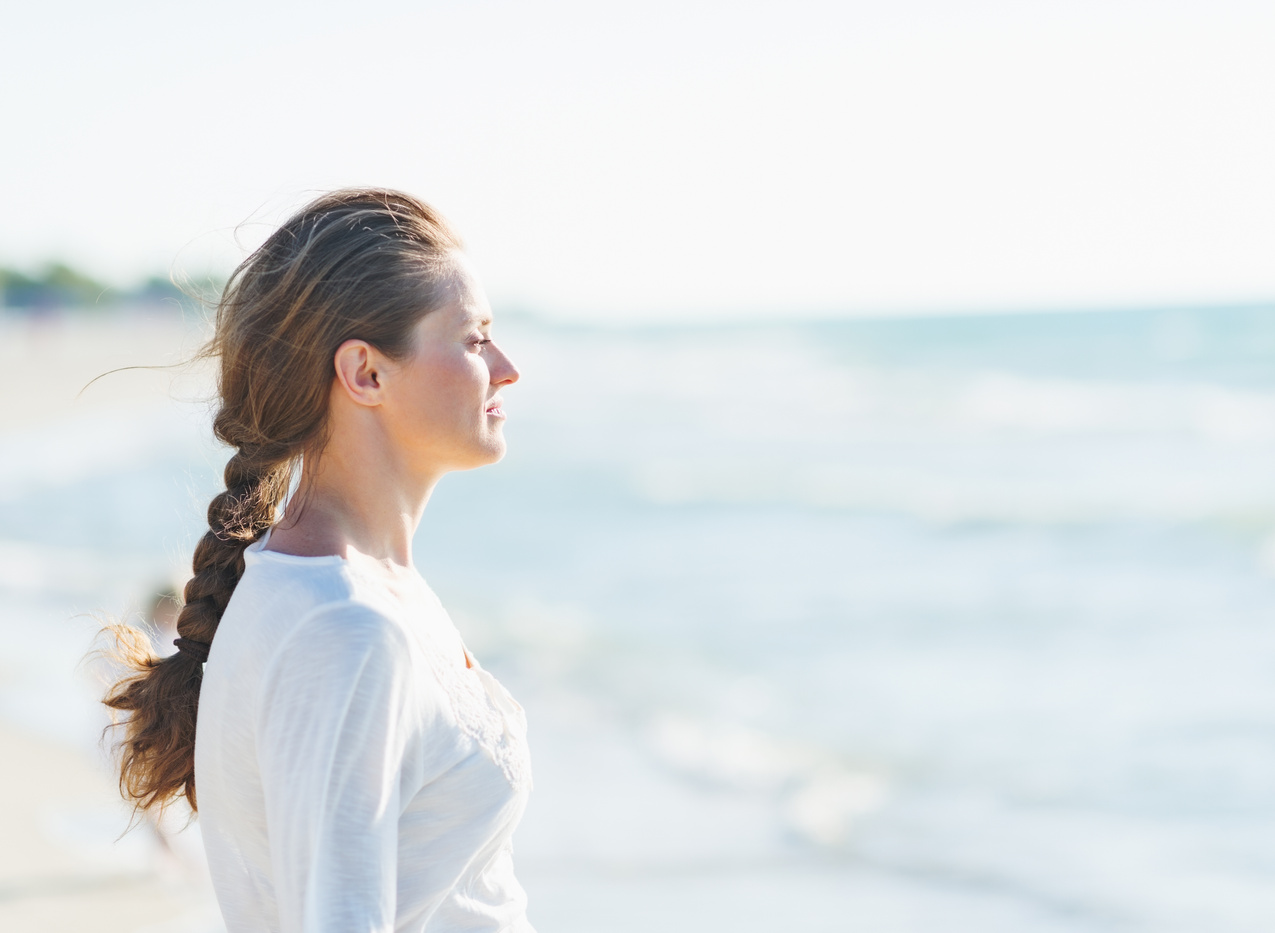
354	264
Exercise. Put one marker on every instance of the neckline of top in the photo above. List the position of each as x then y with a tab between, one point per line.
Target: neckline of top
258	548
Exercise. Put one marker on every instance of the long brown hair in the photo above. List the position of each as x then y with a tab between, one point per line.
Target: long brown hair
354	264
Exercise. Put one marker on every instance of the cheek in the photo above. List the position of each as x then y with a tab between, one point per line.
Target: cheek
450	389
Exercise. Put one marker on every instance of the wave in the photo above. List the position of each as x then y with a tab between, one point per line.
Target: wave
819	798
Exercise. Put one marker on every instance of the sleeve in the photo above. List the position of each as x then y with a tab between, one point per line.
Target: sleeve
332	733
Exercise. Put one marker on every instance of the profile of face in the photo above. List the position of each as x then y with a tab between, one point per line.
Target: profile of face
441	406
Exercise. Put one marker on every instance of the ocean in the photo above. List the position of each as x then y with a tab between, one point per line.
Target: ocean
924	624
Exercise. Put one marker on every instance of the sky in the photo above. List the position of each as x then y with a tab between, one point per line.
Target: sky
669	160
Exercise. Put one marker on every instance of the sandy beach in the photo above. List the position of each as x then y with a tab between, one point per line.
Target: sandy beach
61	868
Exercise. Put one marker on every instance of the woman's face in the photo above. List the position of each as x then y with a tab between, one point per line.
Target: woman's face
444	403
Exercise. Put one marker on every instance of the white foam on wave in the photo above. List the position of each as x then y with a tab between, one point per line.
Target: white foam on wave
1035	483
1049	406
818	797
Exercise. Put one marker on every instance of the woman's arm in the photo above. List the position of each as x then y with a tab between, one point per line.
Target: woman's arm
331	735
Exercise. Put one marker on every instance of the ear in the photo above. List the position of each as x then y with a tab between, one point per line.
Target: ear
358	367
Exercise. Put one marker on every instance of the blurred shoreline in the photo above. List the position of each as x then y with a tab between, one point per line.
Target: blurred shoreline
64	864
61	364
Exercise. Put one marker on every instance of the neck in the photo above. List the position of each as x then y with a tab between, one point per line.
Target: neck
355	497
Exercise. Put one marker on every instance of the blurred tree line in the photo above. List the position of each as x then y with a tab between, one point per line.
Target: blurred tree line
58	285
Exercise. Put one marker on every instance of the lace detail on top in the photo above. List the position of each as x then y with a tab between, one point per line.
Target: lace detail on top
487	714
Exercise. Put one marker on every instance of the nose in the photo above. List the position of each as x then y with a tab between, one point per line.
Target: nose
503	370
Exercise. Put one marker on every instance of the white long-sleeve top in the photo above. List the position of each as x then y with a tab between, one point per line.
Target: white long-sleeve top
354	774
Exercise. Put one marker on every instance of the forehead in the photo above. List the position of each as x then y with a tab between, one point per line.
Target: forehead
469	301
464	308
466	311
452	321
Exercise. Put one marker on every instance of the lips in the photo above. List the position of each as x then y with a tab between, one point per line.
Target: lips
494	408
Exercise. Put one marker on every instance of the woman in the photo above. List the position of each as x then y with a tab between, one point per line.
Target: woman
357	769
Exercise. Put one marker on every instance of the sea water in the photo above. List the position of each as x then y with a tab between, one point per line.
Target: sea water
947	624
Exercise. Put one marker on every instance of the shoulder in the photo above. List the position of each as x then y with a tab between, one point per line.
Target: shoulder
340	658
279	597
347	632
270	577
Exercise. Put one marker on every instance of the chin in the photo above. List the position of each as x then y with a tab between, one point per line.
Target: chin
492	450
495	456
